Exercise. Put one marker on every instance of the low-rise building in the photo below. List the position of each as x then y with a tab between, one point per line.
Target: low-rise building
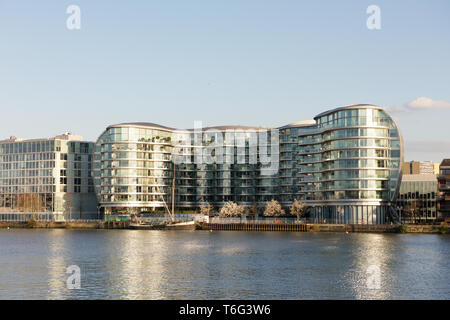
444	190
417	198
49	179
420	167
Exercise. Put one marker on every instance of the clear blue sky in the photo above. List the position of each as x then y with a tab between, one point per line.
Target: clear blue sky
252	62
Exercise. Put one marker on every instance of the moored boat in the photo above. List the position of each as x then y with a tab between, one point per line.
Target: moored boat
144	226
187	225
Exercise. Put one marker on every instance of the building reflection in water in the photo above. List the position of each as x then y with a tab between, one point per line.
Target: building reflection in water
135	265
165	264
372	258
57	264
127	264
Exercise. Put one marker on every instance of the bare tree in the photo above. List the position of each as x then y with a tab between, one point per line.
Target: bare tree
254	209
273	209
231	209
411	210
30	202
297	208
206	209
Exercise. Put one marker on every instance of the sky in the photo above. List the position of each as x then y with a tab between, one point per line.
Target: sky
246	62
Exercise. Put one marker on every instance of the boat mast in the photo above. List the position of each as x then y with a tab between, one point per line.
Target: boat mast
164	202
171	214
173	193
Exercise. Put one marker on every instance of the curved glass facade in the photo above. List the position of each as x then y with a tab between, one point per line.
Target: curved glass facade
345	165
132	168
351	161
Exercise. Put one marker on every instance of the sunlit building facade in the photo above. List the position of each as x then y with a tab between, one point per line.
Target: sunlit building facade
344	164
420	167
417	197
49	179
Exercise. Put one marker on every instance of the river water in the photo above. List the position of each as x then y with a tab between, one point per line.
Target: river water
138	264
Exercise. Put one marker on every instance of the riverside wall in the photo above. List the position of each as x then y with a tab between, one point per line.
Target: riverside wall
349	228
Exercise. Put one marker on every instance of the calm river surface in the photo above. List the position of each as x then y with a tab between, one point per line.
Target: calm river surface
137	264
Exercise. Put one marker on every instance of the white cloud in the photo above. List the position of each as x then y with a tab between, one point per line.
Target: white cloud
421	103
427	103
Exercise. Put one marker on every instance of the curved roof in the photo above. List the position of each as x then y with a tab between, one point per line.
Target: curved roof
304	123
160	127
352	106
236	127
141	124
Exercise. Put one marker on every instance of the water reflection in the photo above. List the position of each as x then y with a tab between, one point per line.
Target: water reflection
127	264
369	276
135	265
57	264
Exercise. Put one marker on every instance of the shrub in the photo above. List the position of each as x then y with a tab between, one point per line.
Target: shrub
32	222
443	229
402	229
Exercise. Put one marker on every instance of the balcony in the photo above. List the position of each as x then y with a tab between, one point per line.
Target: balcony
443	177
